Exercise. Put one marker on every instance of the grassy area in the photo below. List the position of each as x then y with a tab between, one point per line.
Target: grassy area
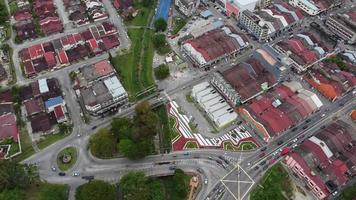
166	131
67	151
26	146
247	146
189	98
228	146
191	145
275	184
135	69
349	193
178	24
174	132
50	139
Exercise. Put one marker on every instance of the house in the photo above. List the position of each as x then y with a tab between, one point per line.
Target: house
8	128
42	122
59	113
6	97
6	109
110	42
50	59
34	106
51	25
186	7
25	30
51	103
23	14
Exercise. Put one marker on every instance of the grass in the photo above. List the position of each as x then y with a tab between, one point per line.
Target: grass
189	98
135	69
247	146
12	69
50	139
275	184
349	193
69	151
228	146
26	146
191	145
174	132
178	24
45	190
166	131
193	127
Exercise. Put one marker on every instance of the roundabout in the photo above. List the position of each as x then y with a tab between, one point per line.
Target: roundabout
66	158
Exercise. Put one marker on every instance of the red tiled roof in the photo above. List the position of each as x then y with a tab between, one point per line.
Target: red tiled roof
34	106
36	51
77	37
306	169
6	96
50	59
8	127
103	68
353	115
58	111
110	42
23	15
93	44
51	25
63	58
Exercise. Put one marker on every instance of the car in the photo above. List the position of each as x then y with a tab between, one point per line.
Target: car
294	146
174	156
54	168
205	181
219	162
323	115
200	170
173	167
308	120
264	149
305	127
93	128
88	177
75	174
186	154
261	155
256	168
296	139
322	127
78	135
265	167
280	142
263	163
210	158
61	174
294	129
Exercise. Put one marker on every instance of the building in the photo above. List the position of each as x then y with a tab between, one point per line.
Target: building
274	112
267	23
216	108
8	128
187	7
214	46
51	25
99	88
312	7
343	25
327	160
249	79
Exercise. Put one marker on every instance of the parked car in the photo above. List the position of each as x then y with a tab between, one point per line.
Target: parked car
264	149
93	128
280	142
205	181
88	177
262	163
54	168
75	174
261	155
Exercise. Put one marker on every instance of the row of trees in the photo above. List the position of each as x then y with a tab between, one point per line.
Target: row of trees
131	137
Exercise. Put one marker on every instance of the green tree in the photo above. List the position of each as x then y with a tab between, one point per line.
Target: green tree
14	175
53	192
64	128
134	186
160	24
121	127
157	190
181	183
103	144
159	40
14	194
147	3
96	190
162	72
129	149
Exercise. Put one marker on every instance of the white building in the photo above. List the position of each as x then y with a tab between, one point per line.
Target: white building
187	7
215	106
312	7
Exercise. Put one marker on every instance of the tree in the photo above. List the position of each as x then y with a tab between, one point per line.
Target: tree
53	192
147	3
134	186
162	72
157	190
64	128
181	183
159	40
129	149
160	24
103	144
96	190
121	127
14	194
14	175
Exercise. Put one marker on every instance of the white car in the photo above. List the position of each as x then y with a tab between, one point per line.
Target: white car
296	139
205	181
323	115
53	168
76	174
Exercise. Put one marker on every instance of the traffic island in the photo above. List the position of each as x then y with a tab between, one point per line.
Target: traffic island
67	158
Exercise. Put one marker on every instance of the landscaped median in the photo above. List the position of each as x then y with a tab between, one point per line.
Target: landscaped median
67	158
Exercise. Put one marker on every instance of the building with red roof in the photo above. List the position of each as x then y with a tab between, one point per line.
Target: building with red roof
23	14
94	47
25	30
110	42
29	69
63	58
34	106
6	97
59	113
36	51
51	25
50	58
8	128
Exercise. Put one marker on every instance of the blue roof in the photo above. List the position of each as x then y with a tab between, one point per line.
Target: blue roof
206	13
54	101
163	9
218	24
